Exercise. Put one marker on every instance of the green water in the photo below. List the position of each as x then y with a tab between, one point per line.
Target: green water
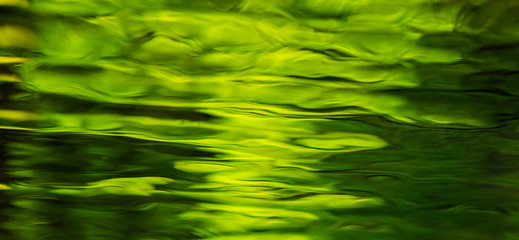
259	119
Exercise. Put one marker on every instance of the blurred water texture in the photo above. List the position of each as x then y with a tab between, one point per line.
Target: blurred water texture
259	119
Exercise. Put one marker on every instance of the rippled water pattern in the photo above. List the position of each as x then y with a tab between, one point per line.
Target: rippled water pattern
259	119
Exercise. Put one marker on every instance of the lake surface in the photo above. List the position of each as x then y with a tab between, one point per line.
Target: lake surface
259	120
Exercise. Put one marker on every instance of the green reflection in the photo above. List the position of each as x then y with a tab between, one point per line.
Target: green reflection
248	119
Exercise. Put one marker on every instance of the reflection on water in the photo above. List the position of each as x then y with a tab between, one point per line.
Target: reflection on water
259	120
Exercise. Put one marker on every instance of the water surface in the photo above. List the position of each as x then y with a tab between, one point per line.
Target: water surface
259	120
